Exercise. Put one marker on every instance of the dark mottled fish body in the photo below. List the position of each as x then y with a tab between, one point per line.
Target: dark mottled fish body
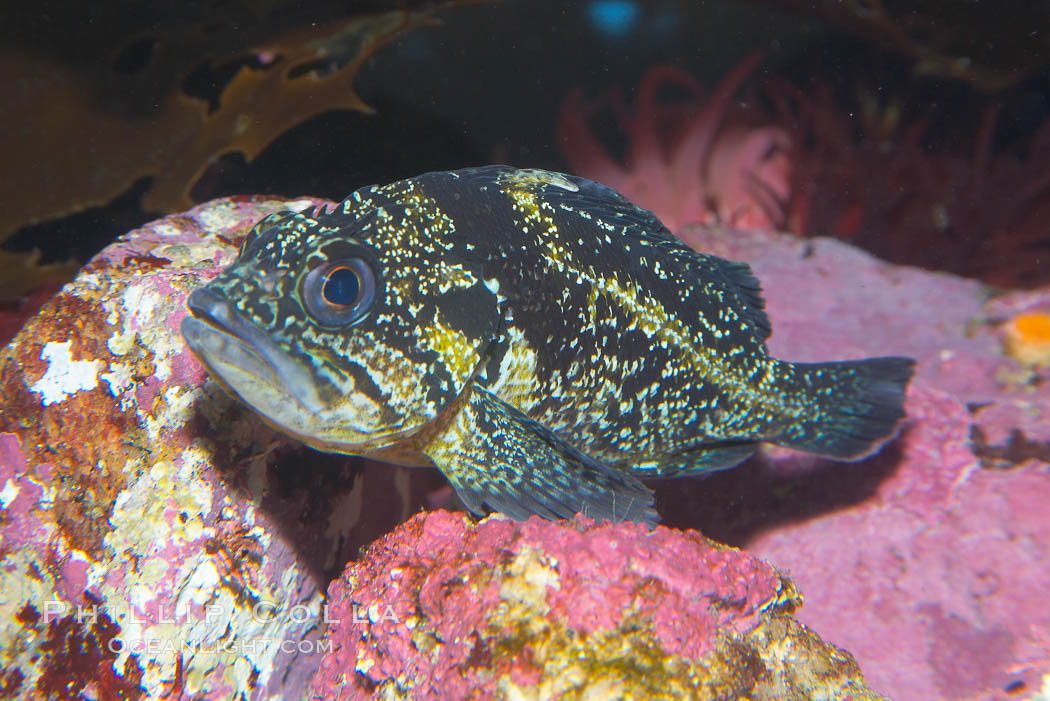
536	336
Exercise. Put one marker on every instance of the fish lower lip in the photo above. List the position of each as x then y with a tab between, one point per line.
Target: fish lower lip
220	336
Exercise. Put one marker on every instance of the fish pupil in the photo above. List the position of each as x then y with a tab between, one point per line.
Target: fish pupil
341	287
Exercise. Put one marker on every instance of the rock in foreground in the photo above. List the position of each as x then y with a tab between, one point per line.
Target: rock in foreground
445	609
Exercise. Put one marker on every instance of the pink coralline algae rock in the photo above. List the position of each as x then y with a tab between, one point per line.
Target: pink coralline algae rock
443	608
938	580
928	561
195	541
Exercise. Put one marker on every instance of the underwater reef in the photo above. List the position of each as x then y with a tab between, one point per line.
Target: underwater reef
159	541
130	482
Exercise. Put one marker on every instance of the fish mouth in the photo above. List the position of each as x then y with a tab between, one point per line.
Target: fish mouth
244	358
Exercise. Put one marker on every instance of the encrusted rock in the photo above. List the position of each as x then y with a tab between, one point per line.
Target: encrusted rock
195	540
445	609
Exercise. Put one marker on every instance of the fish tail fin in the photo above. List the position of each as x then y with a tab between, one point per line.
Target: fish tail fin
858	405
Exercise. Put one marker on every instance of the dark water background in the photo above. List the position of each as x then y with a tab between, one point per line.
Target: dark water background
488	83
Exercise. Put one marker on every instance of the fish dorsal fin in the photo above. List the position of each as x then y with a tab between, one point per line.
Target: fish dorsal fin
737	280
570	192
604	204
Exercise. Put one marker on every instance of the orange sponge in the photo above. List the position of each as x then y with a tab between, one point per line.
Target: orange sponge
1027	338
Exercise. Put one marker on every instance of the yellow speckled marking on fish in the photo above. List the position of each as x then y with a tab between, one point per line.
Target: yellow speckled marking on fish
453	347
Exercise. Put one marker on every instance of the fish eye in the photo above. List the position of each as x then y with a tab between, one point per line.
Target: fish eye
339	292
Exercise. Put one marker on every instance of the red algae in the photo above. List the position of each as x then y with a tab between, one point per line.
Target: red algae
702	162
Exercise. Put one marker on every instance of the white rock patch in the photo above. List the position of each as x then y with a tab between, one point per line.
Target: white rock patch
8	493
65	376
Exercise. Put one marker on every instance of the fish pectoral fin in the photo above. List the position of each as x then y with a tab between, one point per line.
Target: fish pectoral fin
698	461
497	457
